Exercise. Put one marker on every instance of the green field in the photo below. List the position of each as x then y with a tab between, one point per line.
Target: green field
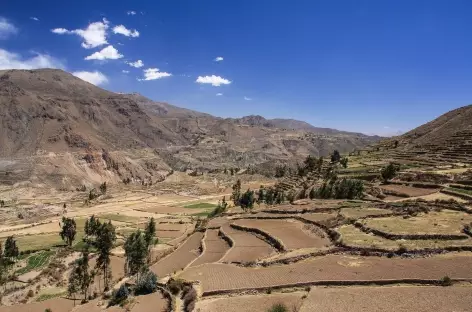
200	206
36	261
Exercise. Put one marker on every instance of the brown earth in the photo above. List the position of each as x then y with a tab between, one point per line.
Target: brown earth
217	277
408	190
387	299
56	305
152	302
180	258
247	247
289	232
215	248
257	303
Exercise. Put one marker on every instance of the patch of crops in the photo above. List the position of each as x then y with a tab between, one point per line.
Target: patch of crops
36	261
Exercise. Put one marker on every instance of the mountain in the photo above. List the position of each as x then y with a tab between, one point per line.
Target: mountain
61	130
444	140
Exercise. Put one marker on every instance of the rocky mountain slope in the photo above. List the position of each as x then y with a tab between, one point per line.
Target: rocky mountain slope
58	129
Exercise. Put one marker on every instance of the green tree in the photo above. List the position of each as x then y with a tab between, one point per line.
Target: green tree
269	196
236	195
136	252
92	226
335	157
389	172
150	236
319	164
247	200
310	163
260	195
11	249
344	162
81	278
104	243
312	193
69	230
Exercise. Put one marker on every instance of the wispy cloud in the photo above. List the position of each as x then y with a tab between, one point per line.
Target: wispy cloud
215	81
95	77
34	18
94	35
218	59
137	64
219	94
9	60
153	74
125	71
247	98
6	28
122	30
131	12
108	53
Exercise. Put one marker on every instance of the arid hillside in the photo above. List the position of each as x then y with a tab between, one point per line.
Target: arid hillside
55	126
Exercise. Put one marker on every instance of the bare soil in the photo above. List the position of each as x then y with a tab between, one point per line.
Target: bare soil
408	190
152	302
387	299
56	304
215	277
215	248
289	232
247	247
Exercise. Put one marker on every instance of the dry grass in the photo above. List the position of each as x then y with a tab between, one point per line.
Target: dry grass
355	213
354	237
408	190
442	222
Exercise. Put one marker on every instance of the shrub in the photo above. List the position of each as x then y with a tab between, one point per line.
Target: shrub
175	286
446	281
146	284
268	291
120	295
389	172
189	299
30	293
279	307
341	189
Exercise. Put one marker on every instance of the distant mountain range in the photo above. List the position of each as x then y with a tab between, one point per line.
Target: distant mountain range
53	122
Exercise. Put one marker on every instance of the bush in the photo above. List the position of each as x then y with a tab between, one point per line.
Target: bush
175	286
30	293
120	295
446	281
279	307
146	284
189	299
341	189
389	172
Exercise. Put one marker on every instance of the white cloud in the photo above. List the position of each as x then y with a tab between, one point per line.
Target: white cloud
9	60
94	35
96	77
218	59
219	94
109	53
137	64
6	28
34	18
215	81
247	98
131	12
154	73
122	30
125	71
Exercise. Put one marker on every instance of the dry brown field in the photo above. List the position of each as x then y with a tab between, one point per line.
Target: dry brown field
387	299
57	304
253	303
180	258
214	248
152	302
355	213
217	277
408	190
247	247
290	232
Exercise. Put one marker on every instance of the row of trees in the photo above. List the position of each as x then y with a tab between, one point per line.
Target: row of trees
8	256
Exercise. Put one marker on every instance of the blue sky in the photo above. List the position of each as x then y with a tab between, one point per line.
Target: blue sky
368	66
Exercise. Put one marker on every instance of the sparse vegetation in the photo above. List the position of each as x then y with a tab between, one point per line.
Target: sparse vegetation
279	307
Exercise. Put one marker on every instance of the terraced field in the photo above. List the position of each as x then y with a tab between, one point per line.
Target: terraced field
407	190
180	258
152	302
332	268
442	222
246	246
387	299
290	233
214	248
260	303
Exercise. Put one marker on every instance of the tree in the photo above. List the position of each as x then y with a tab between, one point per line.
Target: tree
11	249
247	200
236	195
92	226
335	157
280	171
389	172
312	193
146	284
231	170
2	203
136	252
260	195
291	197
149	236
395	143
105	241
269	196
310	163
344	162
103	188
80	278
69	230
319	165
